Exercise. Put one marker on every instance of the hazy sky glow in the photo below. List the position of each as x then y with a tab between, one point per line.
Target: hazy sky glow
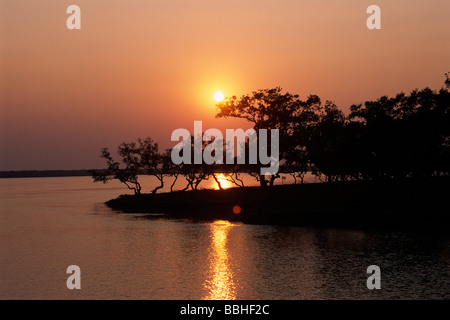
141	68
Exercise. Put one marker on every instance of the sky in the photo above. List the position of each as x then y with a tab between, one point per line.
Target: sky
140	68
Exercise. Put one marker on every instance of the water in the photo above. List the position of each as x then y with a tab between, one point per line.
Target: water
47	224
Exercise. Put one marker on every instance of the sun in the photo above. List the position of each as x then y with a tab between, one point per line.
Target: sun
218	96
224	183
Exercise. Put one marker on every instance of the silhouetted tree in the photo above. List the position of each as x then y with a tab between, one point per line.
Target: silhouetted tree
326	143
171	168
406	135
140	157
233	175
272	109
194	173
127	175
296	163
151	160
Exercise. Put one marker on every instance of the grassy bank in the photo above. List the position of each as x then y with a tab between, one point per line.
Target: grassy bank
388	204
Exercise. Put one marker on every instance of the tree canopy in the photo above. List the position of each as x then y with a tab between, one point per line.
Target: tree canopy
399	137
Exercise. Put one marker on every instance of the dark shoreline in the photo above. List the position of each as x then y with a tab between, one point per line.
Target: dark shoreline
381	205
43	174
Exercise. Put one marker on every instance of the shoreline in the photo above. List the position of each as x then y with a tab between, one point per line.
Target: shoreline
353	204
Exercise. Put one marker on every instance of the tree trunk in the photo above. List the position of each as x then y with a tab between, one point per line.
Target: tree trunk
295	178
197	183
217	181
173	183
262	181
161	180
272	179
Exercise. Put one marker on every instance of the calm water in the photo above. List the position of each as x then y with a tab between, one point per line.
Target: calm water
47	224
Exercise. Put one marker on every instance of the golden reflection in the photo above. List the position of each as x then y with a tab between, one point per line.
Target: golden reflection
220	284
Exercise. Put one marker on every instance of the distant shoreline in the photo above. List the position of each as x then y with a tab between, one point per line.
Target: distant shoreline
356	204
44	173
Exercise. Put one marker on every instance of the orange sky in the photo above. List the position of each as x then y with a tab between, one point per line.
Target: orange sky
142	68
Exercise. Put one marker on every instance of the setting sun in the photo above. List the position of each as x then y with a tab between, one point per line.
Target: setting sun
218	96
224	183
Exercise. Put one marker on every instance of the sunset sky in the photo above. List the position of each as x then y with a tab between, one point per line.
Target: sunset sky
141	68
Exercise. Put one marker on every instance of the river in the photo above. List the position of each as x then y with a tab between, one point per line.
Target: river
48	224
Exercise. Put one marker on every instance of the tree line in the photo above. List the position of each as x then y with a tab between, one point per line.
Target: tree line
399	137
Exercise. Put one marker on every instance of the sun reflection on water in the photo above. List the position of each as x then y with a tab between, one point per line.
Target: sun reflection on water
220	285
